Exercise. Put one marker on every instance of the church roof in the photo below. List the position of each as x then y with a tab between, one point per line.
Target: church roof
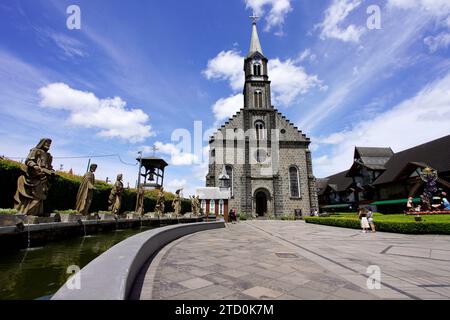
255	45
340	181
213	193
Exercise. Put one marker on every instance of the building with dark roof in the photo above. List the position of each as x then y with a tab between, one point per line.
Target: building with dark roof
334	192
368	165
401	179
379	177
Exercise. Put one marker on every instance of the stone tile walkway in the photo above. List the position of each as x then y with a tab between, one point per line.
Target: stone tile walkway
293	260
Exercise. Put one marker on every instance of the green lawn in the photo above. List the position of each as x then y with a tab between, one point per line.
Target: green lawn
395	217
397	223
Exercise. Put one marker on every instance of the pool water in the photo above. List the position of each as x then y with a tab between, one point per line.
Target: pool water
37	273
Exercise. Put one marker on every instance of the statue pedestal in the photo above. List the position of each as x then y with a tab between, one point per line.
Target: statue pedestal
131	216
107	217
8	220
71	217
92	217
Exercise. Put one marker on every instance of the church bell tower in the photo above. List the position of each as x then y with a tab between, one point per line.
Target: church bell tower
257	84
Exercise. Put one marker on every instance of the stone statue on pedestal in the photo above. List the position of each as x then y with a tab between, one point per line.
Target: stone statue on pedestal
140	201
159	208
176	203
115	198
33	186
86	191
195	205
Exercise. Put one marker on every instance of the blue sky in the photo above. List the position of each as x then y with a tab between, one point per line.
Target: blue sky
139	70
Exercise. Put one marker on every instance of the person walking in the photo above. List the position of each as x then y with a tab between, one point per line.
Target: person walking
233	216
364	222
370	220
230	216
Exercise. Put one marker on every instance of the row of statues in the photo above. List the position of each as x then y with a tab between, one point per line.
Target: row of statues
34	184
86	193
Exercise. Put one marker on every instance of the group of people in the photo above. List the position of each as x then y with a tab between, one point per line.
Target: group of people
366	218
442	205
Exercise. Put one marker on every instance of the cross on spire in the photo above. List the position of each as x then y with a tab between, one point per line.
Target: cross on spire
154	149
254	18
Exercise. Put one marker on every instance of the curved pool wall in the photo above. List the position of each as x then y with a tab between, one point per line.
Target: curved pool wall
111	275
28	236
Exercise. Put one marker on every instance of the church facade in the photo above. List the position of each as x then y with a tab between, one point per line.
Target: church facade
265	156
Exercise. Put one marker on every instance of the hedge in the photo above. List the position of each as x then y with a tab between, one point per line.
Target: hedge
64	189
406	227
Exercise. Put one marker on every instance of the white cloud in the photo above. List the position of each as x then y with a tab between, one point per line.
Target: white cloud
277	13
227	65
306	54
437	7
86	110
176	184
71	47
226	107
335	16
289	81
384	53
179	157
414	121
441	41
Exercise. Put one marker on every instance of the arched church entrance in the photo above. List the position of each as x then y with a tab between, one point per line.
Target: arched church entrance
262	199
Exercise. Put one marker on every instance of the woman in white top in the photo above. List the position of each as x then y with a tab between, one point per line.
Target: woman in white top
364	221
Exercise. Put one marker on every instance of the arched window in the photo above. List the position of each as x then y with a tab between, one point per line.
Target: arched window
260	130
229	170
258	99
221	207
212	206
256	69
294	182
203	206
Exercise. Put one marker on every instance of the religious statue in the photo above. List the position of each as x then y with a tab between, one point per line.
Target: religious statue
159	208
115	198
140	200
430	177
176	203
195	205
33	186
86	191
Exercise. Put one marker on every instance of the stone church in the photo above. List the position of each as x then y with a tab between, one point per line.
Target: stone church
265	157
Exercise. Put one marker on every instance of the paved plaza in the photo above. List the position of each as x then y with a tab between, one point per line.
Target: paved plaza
294	260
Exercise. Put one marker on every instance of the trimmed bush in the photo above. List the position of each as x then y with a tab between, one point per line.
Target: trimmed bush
8	211
244	216
406	227
64	189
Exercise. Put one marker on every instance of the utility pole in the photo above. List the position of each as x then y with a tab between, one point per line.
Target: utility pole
89	164
140	168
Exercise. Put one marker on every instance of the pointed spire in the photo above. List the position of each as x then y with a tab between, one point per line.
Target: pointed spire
255	45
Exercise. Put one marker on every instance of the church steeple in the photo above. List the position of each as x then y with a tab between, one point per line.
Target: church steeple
255	45
257	84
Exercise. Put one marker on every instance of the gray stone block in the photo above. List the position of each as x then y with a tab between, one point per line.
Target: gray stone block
65	217
7	220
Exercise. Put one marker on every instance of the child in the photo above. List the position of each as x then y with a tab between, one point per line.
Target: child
370	219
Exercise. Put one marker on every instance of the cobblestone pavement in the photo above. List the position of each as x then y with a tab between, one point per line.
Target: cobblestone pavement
295	260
